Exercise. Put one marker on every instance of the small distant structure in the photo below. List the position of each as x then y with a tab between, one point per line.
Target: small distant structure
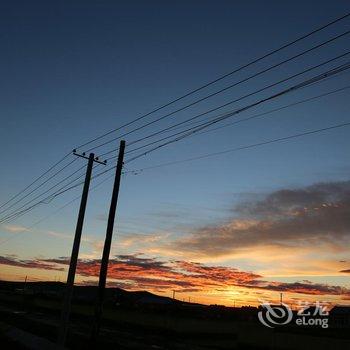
339	317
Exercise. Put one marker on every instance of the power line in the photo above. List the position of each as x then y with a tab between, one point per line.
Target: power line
222	90
187	94
46	200
293	88
36	180
275	110
55	212
261	114
219	78
46	191
251	117
63	189
197	128
14	215
308	82
235	100
193	130
37	187
254	145
224	105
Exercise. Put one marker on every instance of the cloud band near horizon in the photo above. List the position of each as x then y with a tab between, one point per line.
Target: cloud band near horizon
134	273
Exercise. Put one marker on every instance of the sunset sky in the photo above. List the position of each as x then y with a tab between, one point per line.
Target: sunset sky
230	229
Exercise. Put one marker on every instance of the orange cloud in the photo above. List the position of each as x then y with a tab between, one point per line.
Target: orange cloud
137	272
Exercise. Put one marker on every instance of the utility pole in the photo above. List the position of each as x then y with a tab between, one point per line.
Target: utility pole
25	283
66	308
107	244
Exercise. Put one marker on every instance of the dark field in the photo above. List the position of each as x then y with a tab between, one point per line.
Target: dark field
167	325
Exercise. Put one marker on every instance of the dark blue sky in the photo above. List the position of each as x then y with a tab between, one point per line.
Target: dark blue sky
71	70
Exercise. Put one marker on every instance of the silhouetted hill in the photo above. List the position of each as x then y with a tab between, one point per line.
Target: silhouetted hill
88	293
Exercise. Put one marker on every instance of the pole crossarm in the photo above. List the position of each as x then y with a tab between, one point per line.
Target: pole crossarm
83	155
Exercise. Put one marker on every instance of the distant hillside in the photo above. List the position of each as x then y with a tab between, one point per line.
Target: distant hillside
89	292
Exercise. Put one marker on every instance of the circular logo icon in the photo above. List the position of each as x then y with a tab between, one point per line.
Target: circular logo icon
275	315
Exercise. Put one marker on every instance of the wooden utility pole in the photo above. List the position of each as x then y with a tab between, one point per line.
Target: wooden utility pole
75	250
107	244
25	283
